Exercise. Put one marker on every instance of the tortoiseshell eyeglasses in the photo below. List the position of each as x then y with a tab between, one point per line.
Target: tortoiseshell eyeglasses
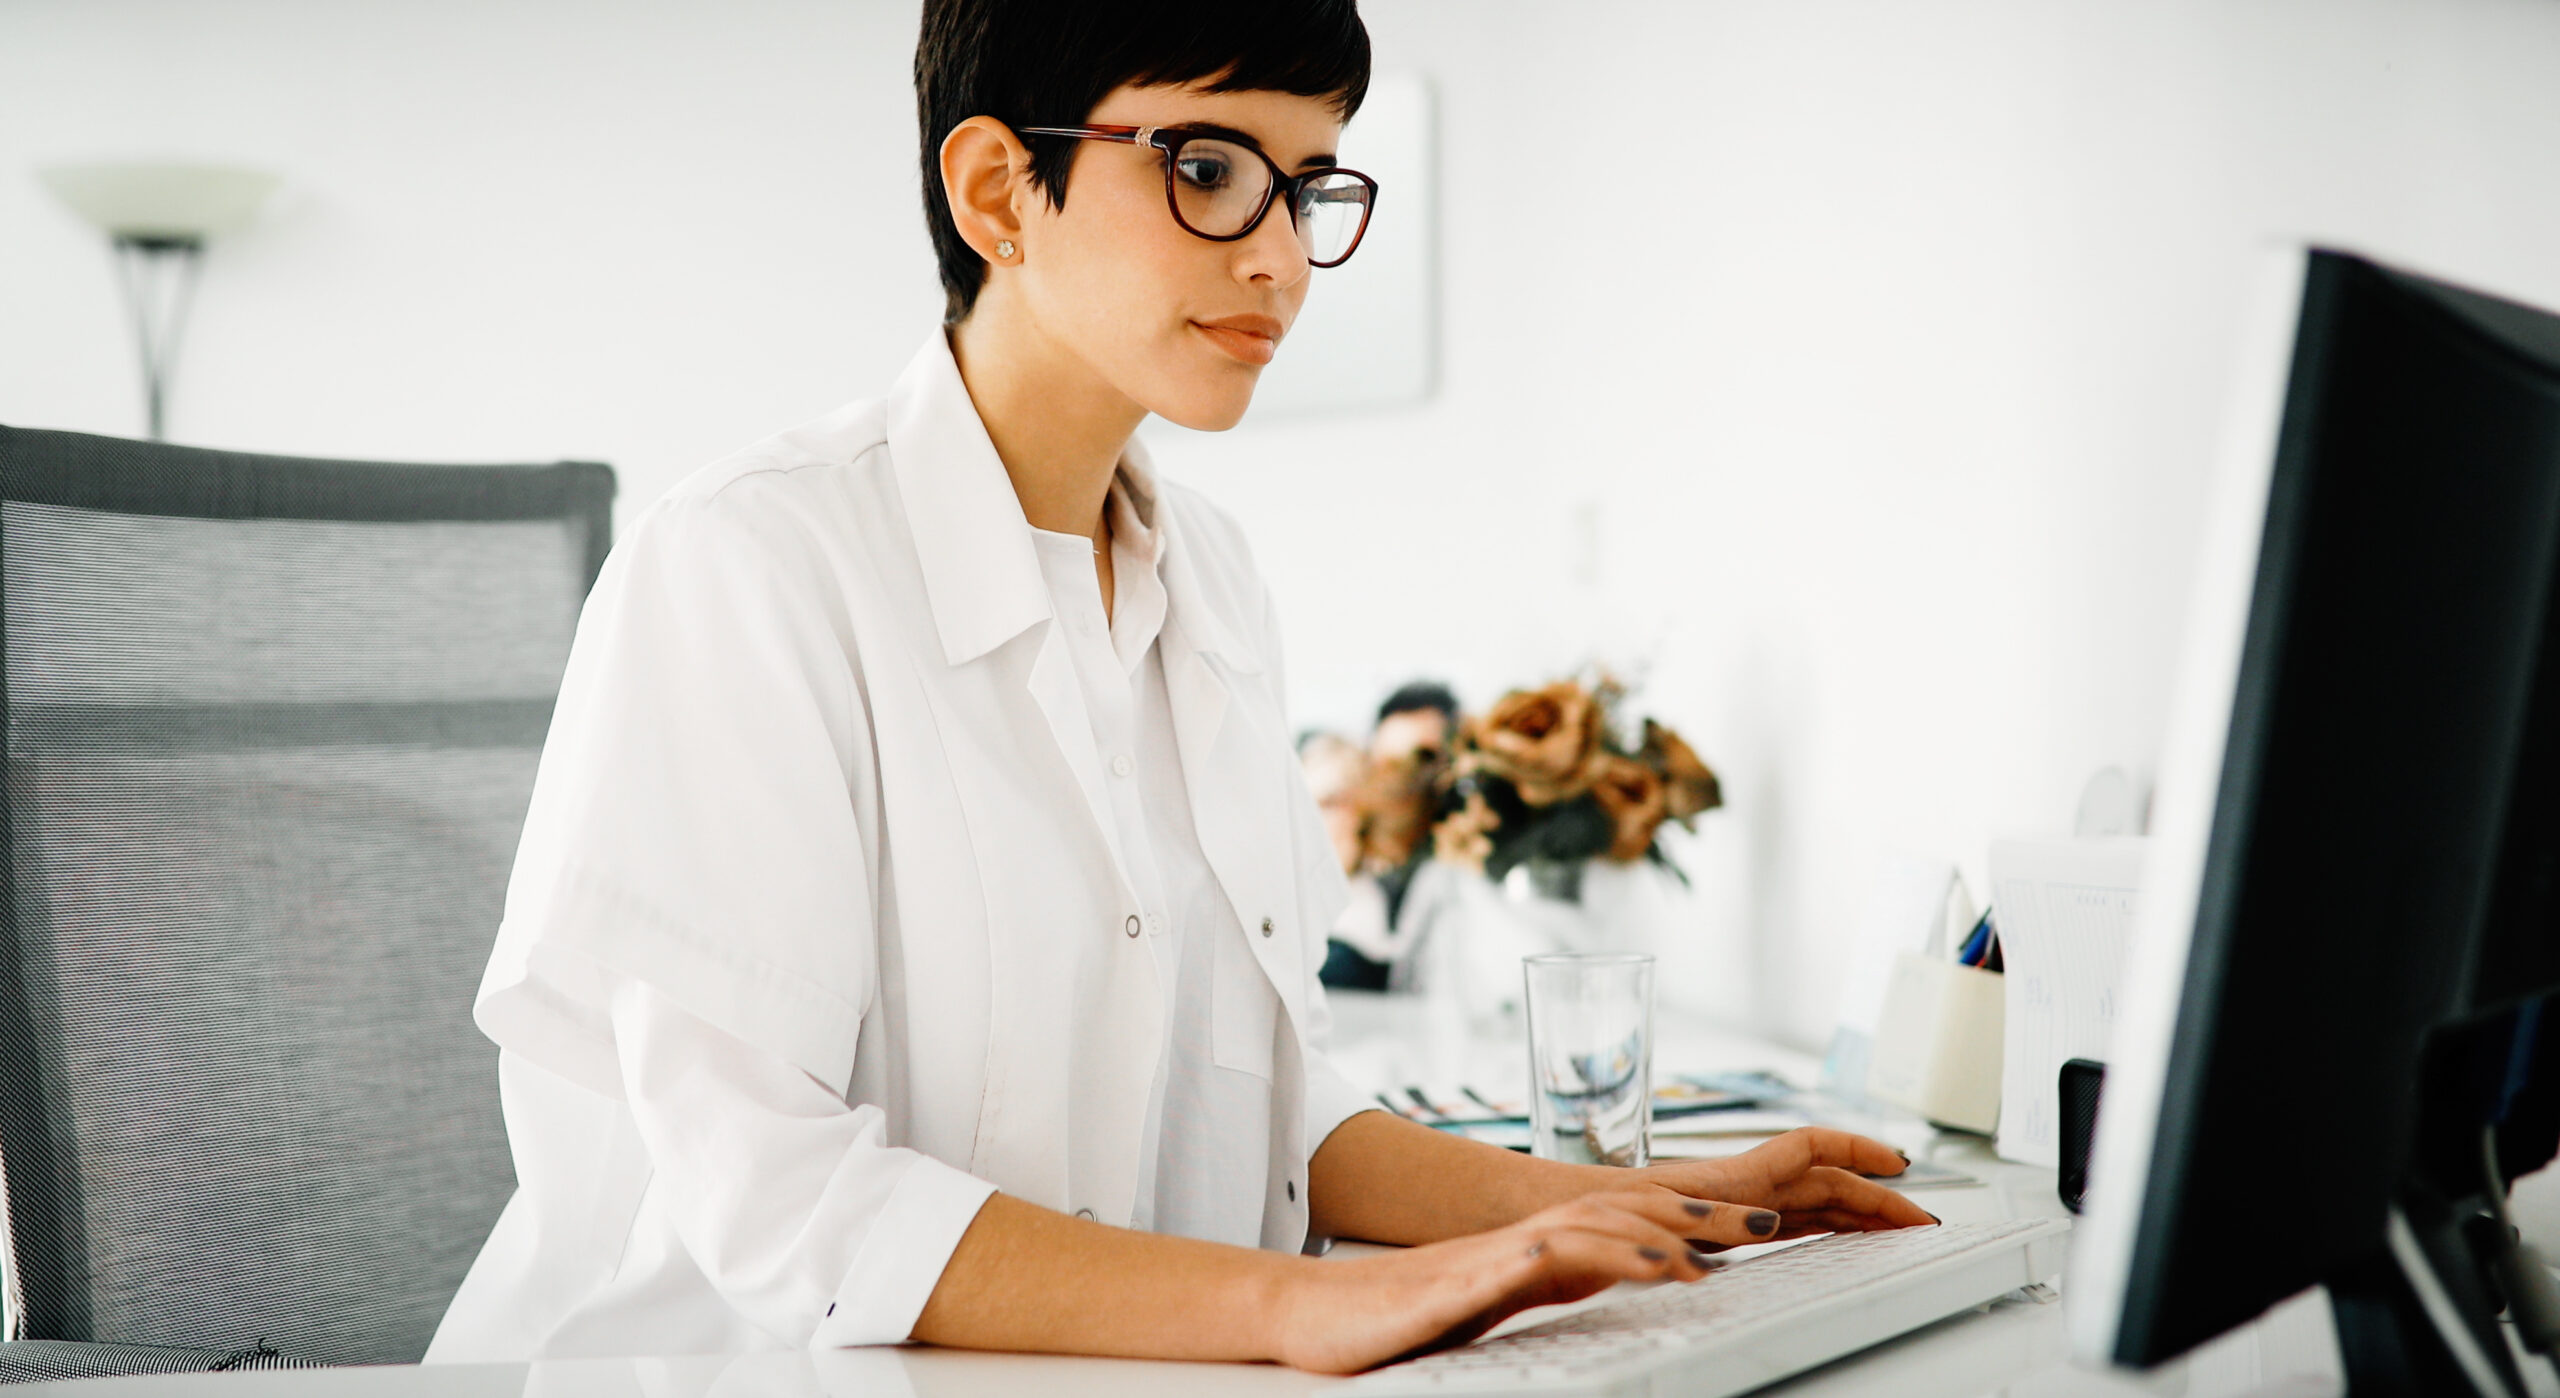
1220	188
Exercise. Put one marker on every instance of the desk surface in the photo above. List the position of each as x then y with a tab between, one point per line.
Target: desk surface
2014	1348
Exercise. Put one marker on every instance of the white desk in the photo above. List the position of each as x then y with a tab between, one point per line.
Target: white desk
2013	1348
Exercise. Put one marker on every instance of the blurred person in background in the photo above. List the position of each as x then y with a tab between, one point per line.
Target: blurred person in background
1393	804
915	930
1416	723
1337	774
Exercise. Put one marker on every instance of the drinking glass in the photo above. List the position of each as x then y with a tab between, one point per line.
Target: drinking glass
1590	1056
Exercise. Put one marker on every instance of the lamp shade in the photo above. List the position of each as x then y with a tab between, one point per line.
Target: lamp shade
146	200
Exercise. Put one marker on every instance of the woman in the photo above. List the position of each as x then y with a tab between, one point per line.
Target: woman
916	924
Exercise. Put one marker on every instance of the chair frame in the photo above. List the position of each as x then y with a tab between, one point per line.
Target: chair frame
116	475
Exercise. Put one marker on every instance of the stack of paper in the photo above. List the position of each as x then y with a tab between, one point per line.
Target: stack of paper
2064	909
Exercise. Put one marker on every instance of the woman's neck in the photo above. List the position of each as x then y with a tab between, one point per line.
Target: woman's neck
1057	426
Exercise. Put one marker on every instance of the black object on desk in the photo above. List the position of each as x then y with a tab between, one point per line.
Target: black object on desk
2079	1084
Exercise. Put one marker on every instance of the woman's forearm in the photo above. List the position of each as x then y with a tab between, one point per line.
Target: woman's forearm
1028	1278
1025	1278
1387	1180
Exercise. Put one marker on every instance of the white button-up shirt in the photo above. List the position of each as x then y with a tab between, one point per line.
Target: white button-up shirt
870	870
1208	1137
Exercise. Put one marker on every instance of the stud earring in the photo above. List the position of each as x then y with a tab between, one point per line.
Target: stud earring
1004	249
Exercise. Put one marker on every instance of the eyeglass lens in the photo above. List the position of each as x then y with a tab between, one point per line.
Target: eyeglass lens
1219	185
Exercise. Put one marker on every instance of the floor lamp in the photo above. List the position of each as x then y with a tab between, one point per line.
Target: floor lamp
157	219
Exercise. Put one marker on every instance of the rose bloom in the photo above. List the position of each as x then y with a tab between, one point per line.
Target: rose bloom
1545	741
1690	784
1633	796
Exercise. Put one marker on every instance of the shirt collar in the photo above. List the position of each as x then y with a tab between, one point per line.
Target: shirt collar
1188	605
972	541
982	576
1138	612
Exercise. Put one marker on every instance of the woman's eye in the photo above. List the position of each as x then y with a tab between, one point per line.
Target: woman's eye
1205	172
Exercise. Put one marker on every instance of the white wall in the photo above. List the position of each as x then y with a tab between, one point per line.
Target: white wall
1862	396
639	232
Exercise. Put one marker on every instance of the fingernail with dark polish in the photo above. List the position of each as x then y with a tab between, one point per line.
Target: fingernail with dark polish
1696	1209
1762	1222
1933	1218
1906	1155
1697	1258
1652	1254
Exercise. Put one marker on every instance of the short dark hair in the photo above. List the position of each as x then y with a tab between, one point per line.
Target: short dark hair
1050	62
1421	695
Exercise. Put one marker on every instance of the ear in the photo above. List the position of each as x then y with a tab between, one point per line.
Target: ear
983	164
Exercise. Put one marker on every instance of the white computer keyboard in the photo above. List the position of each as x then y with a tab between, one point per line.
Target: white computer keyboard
1748	1323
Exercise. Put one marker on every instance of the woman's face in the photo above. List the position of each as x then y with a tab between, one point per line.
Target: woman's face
1179	324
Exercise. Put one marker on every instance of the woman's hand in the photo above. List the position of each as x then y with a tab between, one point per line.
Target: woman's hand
1340	1317
1813	1178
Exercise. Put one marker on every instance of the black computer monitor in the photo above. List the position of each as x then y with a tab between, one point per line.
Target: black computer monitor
2347	929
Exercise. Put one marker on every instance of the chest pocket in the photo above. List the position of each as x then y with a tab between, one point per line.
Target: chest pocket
1244	1009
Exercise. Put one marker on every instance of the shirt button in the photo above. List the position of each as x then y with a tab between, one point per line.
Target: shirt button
1119	764
1133	924
1293	1191
1085	1214
1266	927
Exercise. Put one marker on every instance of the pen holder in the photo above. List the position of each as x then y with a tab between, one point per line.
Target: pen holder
1937	1049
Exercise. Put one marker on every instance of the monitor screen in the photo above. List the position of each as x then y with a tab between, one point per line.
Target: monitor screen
2353	838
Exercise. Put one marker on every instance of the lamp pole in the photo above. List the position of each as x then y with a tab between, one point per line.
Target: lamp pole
158	275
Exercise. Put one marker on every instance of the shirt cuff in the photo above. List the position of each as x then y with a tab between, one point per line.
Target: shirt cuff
902	1256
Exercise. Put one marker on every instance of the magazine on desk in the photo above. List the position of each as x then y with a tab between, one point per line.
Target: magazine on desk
1696	1116
1463	1109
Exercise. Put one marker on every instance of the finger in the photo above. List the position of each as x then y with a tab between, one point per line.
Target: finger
1635	1223
1806	1147
1811	1221
1727	1225
1825	1187
1834	1221
1581	1258
1712	1219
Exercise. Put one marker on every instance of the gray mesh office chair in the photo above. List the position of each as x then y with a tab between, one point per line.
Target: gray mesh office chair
270	731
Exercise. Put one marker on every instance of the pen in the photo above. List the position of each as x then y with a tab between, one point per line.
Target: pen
1977	943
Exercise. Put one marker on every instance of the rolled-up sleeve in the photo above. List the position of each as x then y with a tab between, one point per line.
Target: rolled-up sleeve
789	1198
1331	1100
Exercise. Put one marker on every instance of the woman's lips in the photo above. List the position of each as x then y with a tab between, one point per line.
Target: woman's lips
1245	346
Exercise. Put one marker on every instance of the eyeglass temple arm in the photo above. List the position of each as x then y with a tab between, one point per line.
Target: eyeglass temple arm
1134	135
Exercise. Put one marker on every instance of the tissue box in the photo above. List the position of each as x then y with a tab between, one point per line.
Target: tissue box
1938	1045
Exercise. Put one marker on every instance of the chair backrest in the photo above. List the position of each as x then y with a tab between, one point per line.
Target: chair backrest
270	731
